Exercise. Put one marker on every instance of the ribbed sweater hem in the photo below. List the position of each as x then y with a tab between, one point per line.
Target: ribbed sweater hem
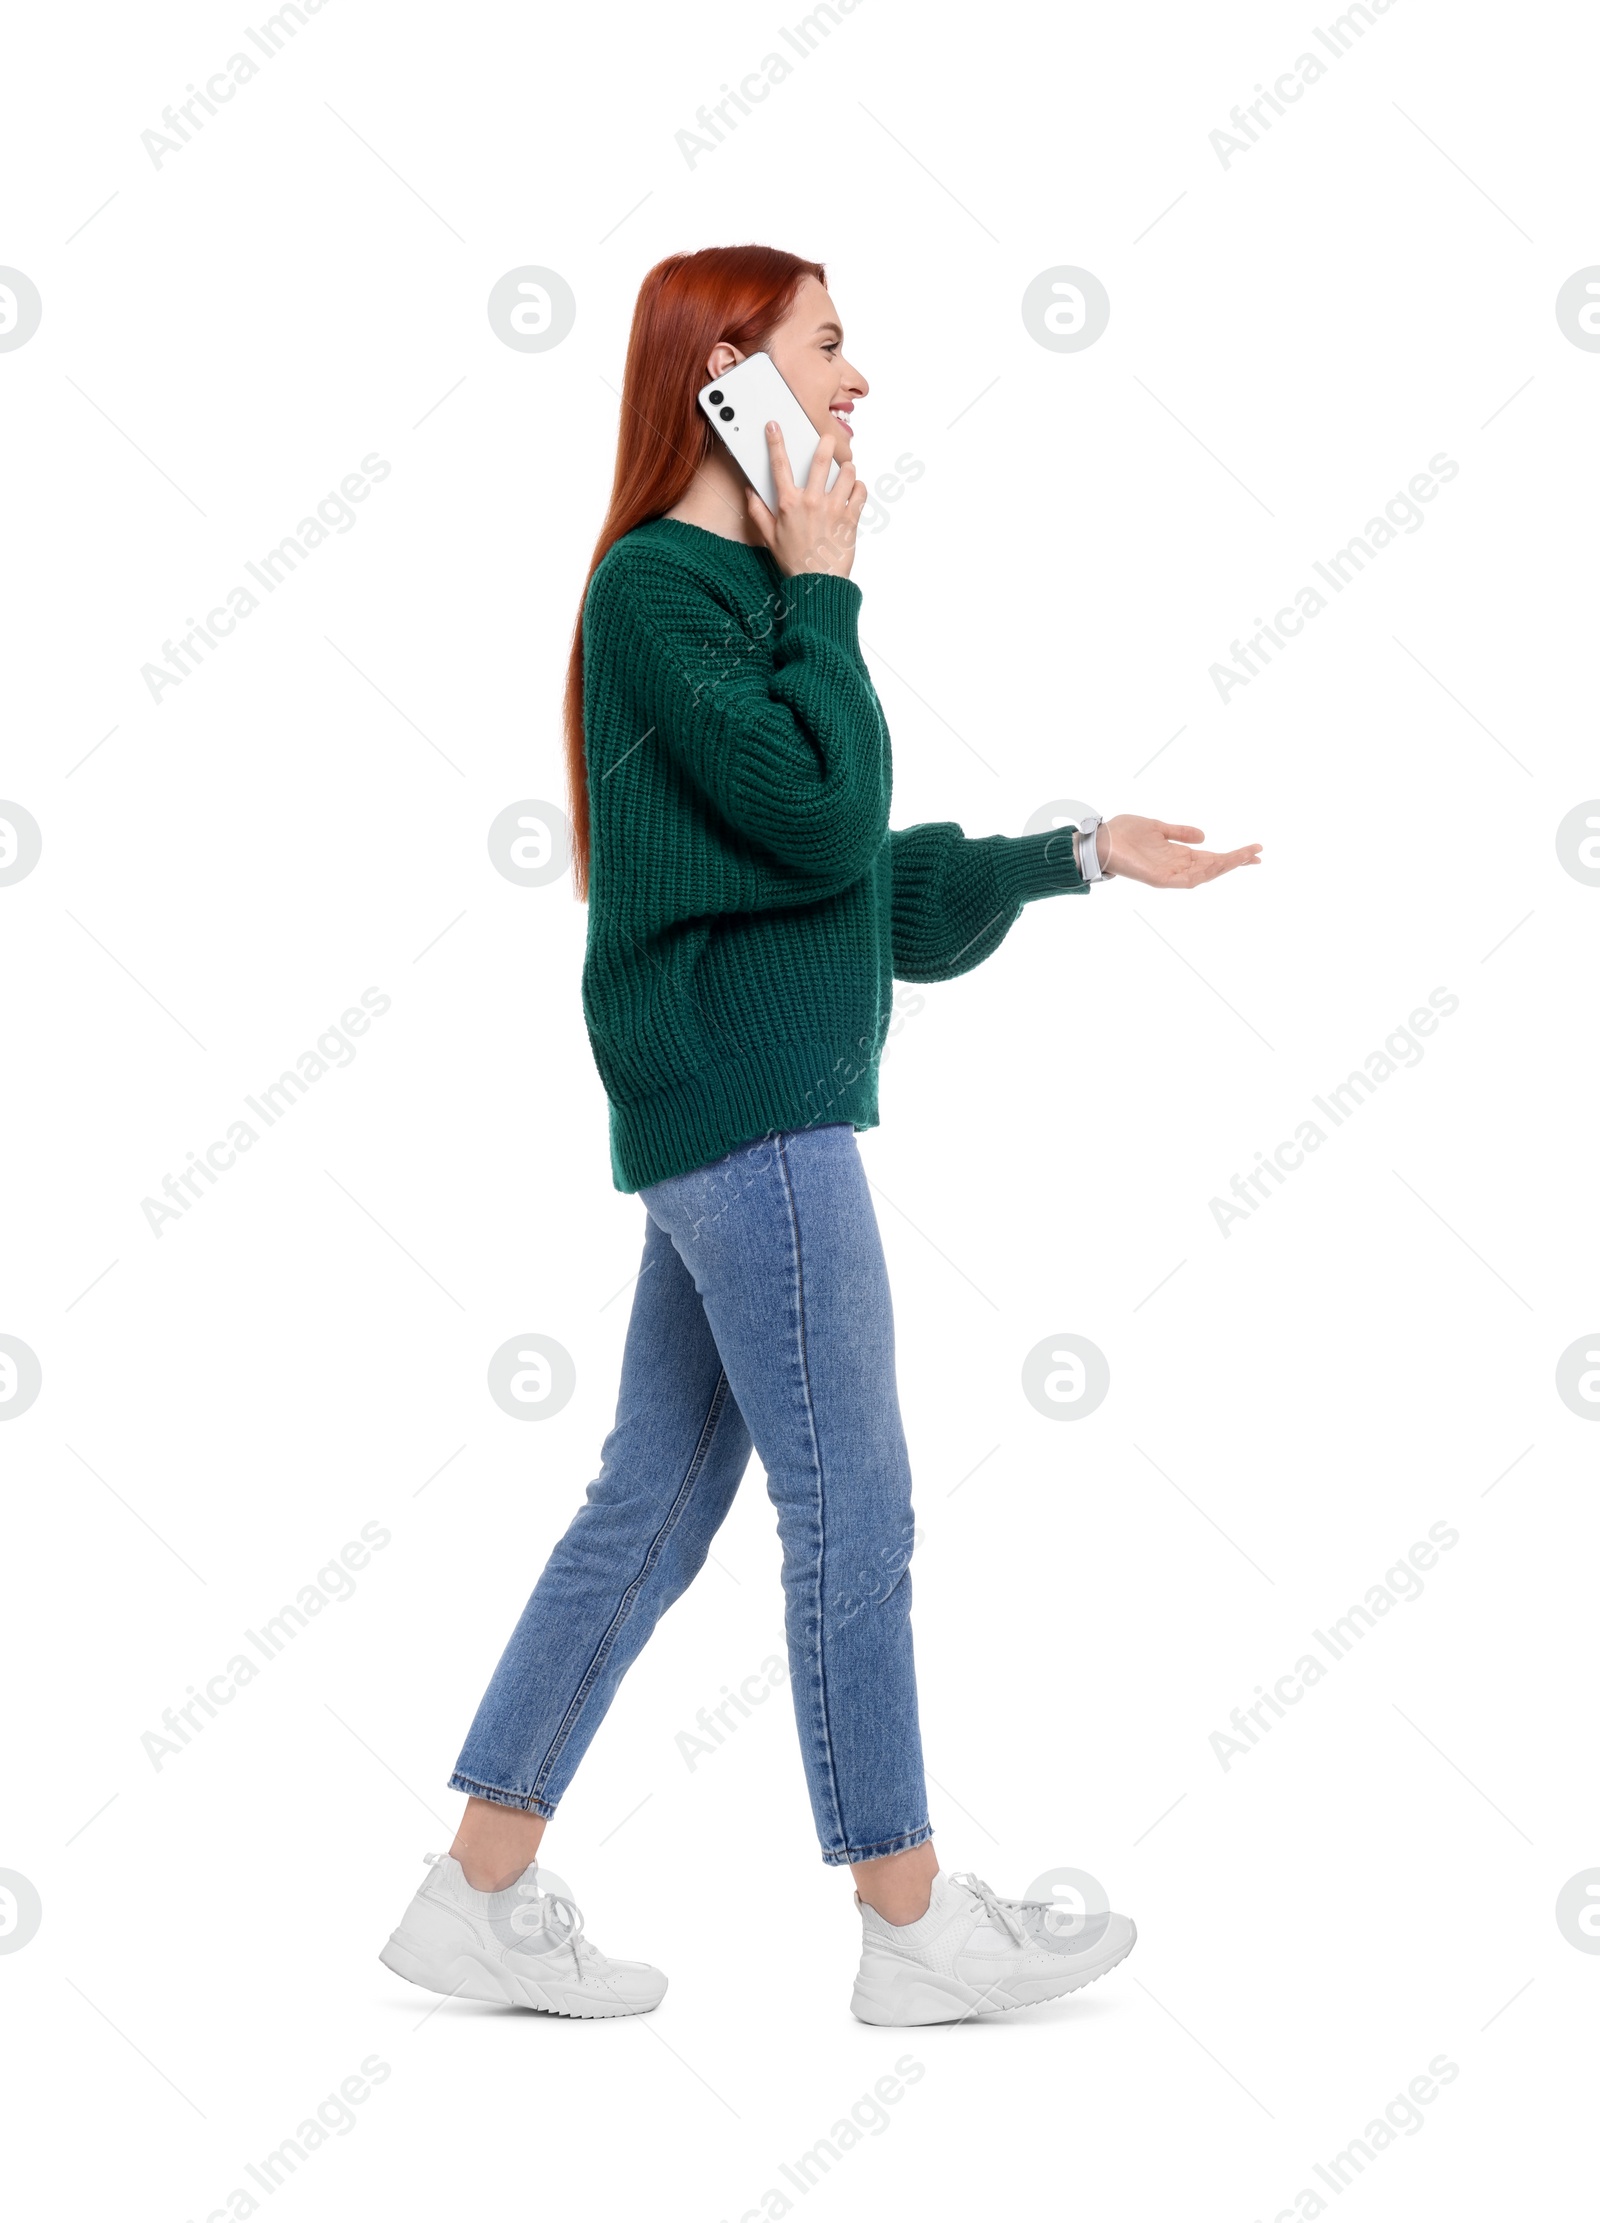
826	604
1032	865
773	1090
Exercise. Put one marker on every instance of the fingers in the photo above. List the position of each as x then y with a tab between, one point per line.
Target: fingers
782	475
813	526
817	476
1171	866
1177	866
1207	864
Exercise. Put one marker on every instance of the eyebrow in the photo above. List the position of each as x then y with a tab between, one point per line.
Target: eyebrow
829	326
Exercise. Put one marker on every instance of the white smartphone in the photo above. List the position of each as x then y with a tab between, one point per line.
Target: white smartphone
739	406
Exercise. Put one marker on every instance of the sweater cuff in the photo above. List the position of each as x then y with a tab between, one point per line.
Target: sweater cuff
1030	865
825	603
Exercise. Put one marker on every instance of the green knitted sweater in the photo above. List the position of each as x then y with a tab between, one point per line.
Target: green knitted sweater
749	909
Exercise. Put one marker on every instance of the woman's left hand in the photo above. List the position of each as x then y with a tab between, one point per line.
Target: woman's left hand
1150	850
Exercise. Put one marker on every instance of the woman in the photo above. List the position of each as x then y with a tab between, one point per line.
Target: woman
749	911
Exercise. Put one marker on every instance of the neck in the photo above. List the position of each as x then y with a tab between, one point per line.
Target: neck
716	501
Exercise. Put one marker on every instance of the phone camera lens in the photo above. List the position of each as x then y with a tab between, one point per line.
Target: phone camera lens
725	414
713	397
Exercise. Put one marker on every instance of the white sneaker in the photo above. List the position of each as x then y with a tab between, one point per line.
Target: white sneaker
521	1947
973	1954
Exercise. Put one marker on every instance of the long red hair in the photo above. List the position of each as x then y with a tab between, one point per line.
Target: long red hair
686	304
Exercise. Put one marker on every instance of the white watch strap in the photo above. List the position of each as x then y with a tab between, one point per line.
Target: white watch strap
1089	848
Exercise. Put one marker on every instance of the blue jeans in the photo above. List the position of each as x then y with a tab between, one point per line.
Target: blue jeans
761	1315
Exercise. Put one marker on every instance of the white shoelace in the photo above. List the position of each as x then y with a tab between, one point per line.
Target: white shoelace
557	1916
997	1909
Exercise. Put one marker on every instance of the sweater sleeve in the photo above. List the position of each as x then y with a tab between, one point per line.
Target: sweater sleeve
955	899
790	752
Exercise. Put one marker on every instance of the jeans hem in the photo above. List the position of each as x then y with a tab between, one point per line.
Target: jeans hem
528	1801
852	1853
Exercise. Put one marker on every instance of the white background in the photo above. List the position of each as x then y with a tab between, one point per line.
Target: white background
1373	1352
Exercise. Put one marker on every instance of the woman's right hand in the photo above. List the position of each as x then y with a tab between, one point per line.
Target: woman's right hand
815	527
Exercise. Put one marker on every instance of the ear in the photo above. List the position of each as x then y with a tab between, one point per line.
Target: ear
722	359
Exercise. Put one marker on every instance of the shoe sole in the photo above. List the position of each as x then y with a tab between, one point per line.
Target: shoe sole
925	1998
469	1976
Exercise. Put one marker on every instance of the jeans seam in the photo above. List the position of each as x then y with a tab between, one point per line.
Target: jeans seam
816	1458
658	1544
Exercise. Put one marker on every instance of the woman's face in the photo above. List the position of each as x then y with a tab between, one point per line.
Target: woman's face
808	348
